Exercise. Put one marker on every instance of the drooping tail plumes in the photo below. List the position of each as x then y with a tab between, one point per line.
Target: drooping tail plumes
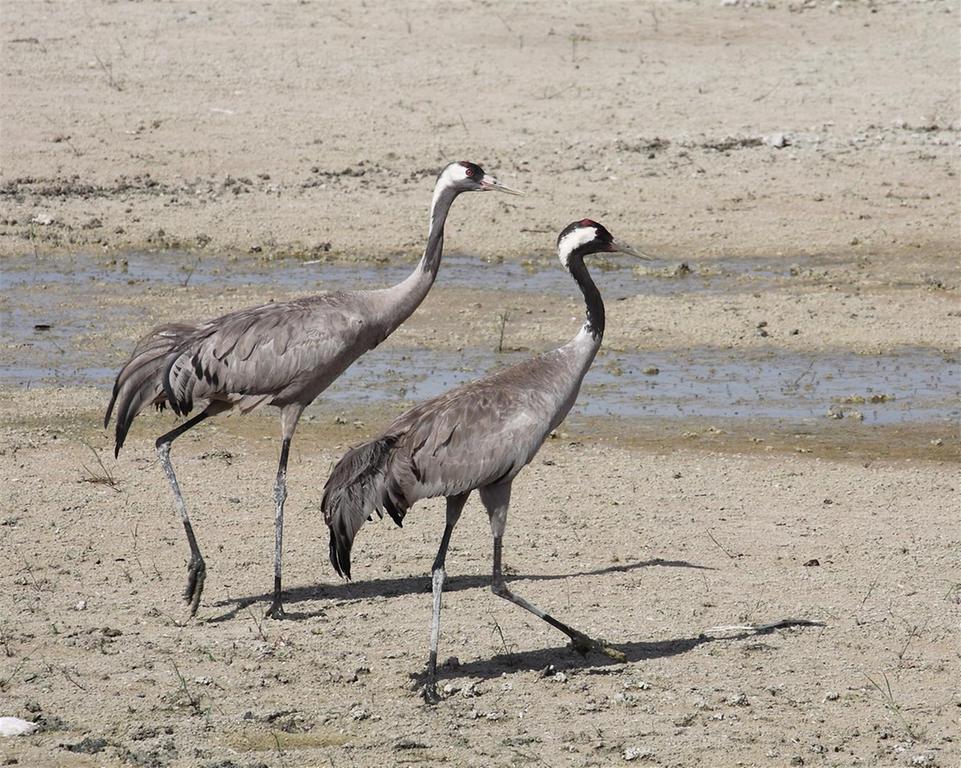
140	380
359	488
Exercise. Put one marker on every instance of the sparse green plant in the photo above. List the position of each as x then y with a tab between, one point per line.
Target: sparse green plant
99	475
500	632
258	624
190	272
194	703
576	38
953	595
891	704
503	317
108	71
5	681
914	632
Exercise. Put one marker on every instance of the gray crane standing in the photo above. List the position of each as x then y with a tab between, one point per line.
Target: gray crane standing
283	355
478	436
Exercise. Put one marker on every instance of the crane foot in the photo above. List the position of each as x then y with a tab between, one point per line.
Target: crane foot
196	574
584	644
430	694
276	610
612	653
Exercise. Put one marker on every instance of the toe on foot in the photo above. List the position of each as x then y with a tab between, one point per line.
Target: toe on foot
612	653
583	644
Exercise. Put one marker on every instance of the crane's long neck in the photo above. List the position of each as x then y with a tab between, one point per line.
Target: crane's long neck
439	208
594	305
402	299
578	354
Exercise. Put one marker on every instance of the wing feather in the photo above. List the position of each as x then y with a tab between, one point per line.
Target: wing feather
139	382
276	350
475	436
479	434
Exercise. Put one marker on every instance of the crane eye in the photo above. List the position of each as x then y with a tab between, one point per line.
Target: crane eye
469	171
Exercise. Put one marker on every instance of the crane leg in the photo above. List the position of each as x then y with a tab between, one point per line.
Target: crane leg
289	416
496	500
196	569
455	505
276	610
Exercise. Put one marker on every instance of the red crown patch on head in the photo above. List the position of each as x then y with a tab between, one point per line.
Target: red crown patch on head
471	169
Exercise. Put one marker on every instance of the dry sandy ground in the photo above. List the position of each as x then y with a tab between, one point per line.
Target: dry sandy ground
785	133
645	548
289	126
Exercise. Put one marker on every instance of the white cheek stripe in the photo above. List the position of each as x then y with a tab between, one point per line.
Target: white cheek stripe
449	177
574	240
455	172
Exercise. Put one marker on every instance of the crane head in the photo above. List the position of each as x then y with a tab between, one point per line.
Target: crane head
466	176
587	236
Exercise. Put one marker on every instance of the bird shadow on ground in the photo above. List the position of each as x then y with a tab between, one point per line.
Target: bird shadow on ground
410	585
561	659
549	661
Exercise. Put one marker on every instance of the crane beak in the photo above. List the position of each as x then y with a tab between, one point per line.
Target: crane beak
618	247
489	183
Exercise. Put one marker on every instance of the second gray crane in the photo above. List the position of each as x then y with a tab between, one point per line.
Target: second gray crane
476	437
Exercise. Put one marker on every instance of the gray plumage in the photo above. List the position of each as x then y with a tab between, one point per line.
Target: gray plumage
476	437
139	383
282	354
277	353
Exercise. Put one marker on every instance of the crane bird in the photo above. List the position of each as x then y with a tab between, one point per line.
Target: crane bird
478	436
276	354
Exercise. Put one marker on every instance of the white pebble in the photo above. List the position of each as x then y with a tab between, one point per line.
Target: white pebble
14	726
